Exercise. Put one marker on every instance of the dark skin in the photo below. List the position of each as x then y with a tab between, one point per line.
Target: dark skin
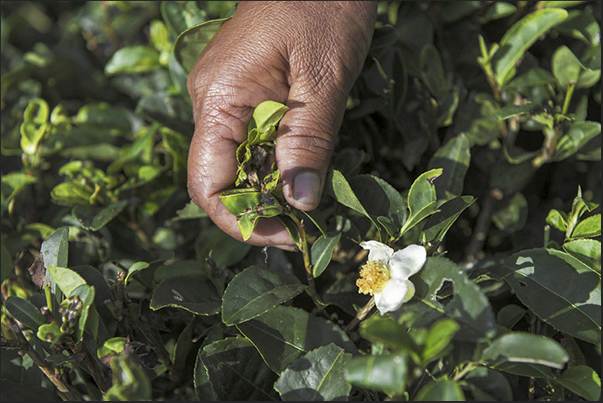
306	55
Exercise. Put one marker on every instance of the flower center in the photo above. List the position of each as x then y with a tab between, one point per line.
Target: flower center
373	277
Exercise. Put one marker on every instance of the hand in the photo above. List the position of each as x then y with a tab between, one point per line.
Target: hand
306	55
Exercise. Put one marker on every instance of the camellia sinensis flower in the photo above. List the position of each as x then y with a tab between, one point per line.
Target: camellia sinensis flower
385	274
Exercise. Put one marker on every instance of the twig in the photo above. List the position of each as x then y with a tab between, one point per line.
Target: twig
360	315
305	251
66	392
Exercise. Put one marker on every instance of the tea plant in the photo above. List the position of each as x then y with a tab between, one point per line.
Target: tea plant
463	201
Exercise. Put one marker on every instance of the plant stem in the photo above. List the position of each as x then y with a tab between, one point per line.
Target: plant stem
305	251
66	392
470	366
568	96
360	315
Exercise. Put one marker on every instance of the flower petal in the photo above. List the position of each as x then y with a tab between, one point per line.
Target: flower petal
377	250
392	296
408	261
410	292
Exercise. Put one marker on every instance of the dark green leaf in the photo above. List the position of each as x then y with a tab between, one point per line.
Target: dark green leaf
133	60
432	71
561	290
453	158
379	198
382	373
321	253
520	37
509	315
526	348
254	291
25	312
184	344
384	330
516	110
489	385
94	218
513	216
497	10
438	224
441	391
283	334
583	381
195	294
236	372
318	376
343	193
468	305
534	77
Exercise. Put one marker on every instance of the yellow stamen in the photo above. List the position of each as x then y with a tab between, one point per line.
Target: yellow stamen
373	277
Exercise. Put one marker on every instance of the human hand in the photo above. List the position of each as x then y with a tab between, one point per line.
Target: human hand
306	55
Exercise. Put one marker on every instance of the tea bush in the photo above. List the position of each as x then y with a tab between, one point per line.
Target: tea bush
472	131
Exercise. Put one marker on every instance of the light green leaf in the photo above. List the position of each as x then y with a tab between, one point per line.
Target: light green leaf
559	289
189	212
135	267
557	219
510	111
525	348
438	338
422	199
497	10
588	228
195	294
33	128
66	279
520	37
25	312
190	43
238	201
265	118
583	381
236	371
321	253
318	376
441	391
254	291
453	158
283	334
343	193
588	251
133	60
567	69
382	373
71	194
576	137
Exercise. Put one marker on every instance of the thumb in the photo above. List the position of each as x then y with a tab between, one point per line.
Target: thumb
306	139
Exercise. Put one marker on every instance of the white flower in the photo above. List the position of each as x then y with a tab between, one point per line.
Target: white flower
385	274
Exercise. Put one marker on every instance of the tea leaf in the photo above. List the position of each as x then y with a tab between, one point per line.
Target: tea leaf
383	373
318	376
133	60
195	294
25	312
520	37
526	348
321	253
254	291
540	279
441	390
583	381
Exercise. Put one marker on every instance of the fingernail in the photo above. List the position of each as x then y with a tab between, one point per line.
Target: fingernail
306	188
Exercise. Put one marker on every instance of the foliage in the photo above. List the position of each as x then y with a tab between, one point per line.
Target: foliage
473	130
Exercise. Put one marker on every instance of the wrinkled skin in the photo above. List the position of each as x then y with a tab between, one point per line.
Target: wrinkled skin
306	55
